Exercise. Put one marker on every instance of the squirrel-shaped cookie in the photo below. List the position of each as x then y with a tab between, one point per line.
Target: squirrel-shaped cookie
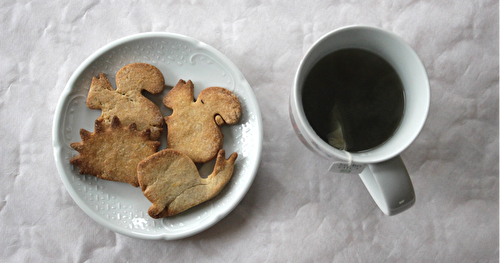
127	102
171	181
193	127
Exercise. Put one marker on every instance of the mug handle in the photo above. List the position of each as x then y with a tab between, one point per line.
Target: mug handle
390	185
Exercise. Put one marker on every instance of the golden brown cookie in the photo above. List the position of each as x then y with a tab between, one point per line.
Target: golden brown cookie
113	152
170	180
193	127
127	102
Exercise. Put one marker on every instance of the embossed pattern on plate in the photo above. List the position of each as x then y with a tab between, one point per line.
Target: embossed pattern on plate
119	206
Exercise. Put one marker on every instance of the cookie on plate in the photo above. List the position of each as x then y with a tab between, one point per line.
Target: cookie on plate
171	181
127	102
113	152
193	128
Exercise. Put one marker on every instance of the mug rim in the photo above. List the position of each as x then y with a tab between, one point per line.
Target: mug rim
326	150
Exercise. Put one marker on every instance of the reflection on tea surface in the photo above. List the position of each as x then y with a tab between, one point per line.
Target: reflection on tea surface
353	99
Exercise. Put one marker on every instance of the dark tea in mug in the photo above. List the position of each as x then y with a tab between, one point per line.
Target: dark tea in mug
353	99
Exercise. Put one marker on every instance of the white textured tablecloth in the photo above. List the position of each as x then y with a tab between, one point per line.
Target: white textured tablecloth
294	211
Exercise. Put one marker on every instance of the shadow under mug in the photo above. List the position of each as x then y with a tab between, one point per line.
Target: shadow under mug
385	175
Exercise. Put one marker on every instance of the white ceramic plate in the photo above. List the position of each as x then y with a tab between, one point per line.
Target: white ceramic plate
119	206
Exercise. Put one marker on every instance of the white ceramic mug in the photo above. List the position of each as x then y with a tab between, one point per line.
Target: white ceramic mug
385	175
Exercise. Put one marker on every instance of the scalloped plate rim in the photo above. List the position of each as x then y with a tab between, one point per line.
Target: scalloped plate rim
58	148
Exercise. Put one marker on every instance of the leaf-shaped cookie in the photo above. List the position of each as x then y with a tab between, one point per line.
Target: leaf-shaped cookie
193	128
170	180
126	101
113	152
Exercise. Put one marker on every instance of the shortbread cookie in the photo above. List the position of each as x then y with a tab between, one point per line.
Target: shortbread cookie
113	152
127	102
170	180
193	127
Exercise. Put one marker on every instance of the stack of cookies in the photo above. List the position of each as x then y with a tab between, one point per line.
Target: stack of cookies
124	144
